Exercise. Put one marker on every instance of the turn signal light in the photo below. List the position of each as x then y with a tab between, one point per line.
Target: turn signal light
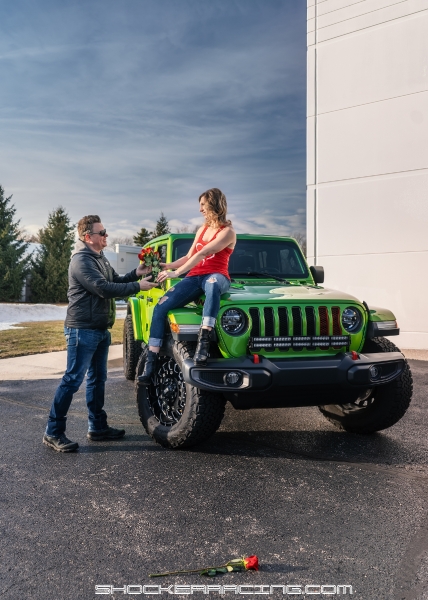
175	327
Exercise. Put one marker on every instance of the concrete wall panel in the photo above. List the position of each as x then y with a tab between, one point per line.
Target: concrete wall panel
371	19
310	155
395	284
352	11
374	65
374	139
310	224
310	92
310	38
380	215
311	13
328	6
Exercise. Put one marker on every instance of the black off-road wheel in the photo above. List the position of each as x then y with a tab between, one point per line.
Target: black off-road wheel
131	349
175	414
379	407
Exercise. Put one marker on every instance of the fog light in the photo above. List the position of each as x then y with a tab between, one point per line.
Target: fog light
232	378
374	372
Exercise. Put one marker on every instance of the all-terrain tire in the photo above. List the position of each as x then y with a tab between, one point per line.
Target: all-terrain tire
384	405
131	349
175	414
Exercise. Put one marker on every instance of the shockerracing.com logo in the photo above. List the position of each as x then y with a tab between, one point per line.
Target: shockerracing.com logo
242	590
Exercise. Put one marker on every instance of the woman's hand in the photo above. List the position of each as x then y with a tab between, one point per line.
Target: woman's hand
164	275
143	270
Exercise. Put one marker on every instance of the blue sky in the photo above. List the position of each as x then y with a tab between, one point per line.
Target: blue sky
129	108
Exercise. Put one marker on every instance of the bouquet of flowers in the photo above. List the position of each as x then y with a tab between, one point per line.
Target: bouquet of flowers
236	564
151	259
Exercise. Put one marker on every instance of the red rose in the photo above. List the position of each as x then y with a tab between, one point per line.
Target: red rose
236	564
143	253
251	562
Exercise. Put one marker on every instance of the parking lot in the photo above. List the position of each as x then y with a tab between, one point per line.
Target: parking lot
318	506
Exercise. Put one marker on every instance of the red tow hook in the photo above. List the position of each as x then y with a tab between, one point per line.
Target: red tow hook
256	359
354	355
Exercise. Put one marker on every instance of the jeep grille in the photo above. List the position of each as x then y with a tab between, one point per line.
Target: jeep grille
295	328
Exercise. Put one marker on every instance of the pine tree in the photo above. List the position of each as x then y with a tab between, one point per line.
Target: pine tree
162	226
143	237
13	266
49	274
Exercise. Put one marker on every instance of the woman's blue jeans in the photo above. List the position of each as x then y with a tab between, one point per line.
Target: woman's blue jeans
87	352
188	289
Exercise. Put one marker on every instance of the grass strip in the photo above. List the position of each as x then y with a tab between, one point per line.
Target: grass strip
38	337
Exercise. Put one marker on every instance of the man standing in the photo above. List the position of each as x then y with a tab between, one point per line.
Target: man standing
93	286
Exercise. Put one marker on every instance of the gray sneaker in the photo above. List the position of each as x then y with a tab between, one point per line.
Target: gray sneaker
109	433
60	443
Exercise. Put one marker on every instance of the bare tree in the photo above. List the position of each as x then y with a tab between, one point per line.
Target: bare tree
187	229
24	236
300	237
126	240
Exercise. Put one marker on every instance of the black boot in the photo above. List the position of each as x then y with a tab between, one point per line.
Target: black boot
203	347
149	368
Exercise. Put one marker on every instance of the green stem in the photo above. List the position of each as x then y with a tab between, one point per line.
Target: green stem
187	571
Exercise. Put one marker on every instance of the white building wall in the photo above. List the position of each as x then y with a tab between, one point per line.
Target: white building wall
124	259
367	154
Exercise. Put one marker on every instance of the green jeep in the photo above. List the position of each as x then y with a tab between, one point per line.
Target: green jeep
281	340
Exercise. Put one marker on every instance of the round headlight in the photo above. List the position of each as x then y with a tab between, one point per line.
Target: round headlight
233	321
352	319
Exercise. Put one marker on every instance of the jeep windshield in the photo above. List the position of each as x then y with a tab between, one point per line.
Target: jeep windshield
259	258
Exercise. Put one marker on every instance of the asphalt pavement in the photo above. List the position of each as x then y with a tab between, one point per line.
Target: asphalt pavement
318	506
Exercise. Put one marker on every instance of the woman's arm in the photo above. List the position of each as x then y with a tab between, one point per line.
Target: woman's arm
225	238
183	260
174	265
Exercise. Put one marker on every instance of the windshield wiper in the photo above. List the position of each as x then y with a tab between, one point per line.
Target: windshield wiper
263	274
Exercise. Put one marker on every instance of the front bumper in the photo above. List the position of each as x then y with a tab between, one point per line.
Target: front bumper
243	375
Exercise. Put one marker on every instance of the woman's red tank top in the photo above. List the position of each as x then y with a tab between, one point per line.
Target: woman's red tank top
215	263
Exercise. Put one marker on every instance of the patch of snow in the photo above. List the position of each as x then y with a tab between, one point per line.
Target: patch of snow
20	313
4	326
10	314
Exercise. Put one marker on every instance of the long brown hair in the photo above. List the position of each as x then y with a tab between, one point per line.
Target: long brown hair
217	208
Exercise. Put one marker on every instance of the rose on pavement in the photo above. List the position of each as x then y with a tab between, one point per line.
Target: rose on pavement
236	564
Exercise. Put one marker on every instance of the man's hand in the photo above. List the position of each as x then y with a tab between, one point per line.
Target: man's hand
143	270
146	285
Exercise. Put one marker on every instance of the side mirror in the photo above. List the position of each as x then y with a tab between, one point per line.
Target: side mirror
318	274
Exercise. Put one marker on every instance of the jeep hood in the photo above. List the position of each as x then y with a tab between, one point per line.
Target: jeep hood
250	294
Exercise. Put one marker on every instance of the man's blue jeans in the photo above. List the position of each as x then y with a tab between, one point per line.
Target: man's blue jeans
87	352
188	289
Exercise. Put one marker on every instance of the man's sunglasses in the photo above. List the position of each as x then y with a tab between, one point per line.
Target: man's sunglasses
102	233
